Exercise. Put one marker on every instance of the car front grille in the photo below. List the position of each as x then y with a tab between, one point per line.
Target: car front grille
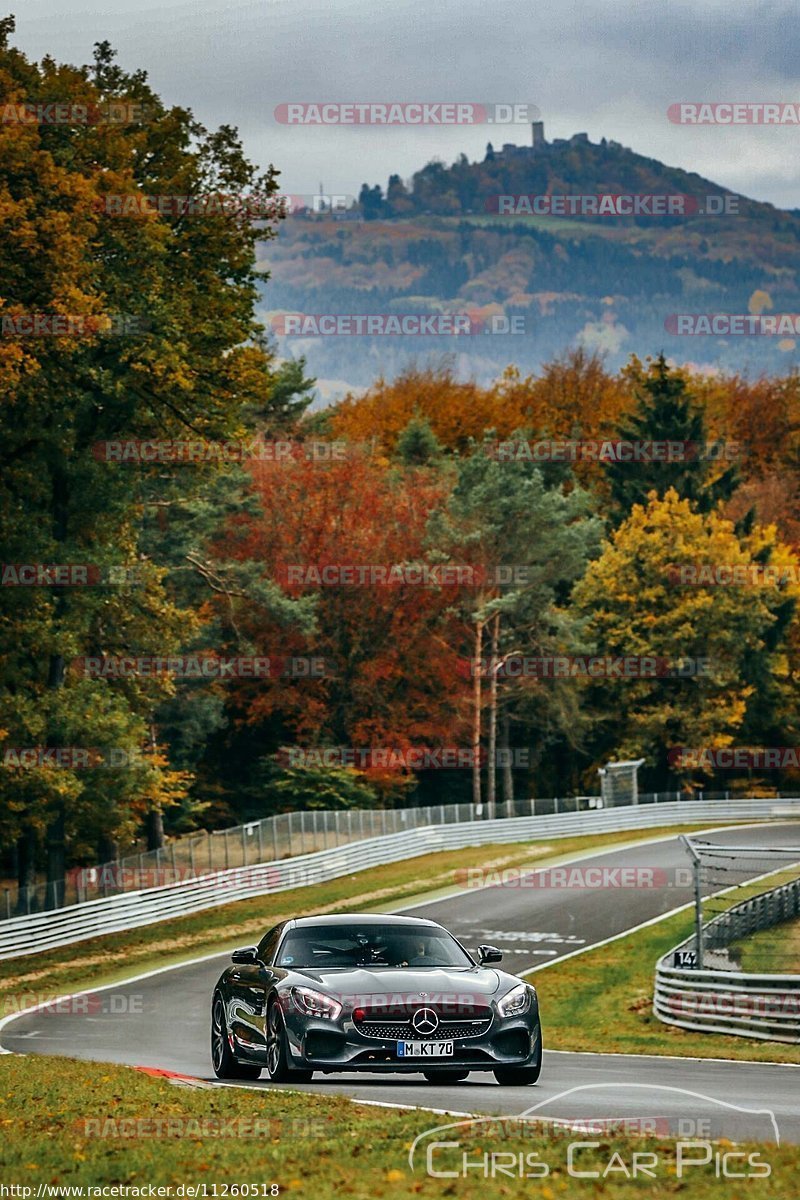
405	1031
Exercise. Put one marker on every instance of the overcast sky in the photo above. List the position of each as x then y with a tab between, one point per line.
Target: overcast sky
609	67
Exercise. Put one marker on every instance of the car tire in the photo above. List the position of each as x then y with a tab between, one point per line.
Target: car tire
278	1067
520	1076
517	1076
222	1058
445	1076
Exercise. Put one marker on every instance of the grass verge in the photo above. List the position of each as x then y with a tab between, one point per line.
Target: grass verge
114	957
92	1125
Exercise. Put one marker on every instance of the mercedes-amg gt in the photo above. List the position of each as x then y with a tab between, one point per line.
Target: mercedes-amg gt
372	993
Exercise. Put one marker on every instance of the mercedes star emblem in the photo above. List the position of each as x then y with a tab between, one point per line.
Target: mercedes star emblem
425	1020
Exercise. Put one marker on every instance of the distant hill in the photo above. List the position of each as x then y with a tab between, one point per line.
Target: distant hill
442	243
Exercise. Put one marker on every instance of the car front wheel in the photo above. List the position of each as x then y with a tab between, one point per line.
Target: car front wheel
222	1058
517	1076
278	1067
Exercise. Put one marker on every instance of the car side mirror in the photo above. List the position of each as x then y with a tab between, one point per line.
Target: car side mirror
247	956
489	954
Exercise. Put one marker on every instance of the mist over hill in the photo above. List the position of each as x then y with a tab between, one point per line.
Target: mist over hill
563	243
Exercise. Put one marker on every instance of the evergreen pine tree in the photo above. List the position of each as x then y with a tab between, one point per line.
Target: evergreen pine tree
667	412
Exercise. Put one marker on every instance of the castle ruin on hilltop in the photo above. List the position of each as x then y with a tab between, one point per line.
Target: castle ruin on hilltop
540	145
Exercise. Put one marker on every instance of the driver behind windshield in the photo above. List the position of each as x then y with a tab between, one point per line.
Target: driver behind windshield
410	952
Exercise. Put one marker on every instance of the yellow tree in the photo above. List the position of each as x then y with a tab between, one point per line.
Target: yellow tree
664	588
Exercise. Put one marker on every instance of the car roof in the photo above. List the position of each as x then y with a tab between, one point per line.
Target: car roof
362	919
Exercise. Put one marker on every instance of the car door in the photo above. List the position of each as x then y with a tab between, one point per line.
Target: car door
249	984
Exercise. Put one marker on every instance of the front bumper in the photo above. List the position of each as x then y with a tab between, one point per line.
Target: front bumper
338	1046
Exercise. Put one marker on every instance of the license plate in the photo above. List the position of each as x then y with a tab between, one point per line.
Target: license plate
424	1049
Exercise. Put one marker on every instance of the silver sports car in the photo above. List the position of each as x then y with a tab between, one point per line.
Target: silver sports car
372	993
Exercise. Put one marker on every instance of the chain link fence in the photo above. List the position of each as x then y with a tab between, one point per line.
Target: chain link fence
747	908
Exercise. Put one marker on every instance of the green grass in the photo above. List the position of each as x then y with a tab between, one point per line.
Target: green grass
775	951
114	957
603	999
86	1124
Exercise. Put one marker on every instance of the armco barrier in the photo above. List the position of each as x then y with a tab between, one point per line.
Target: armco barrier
131	910
734	1002
756	1006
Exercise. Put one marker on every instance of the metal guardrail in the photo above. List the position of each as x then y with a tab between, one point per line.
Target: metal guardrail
743	1004
763	911
48	930
282	836
285	835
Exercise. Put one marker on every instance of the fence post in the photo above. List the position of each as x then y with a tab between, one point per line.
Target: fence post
274	821
260	841
302	831
8	903
191	858
210	853
244	845
227	852
556	803
289	826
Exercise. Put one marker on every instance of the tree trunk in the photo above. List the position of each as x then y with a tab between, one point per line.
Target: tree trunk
491	778
56	859
56	668
155	829
26	871
107	848
508	777
476	714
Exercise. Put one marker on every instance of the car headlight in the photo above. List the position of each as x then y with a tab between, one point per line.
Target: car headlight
516	1002
316	1004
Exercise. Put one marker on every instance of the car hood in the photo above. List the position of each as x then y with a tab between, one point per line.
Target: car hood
476	981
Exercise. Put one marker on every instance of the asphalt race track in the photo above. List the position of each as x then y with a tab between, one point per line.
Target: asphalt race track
163	1020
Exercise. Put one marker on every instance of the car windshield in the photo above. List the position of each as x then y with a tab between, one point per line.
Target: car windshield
371	946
